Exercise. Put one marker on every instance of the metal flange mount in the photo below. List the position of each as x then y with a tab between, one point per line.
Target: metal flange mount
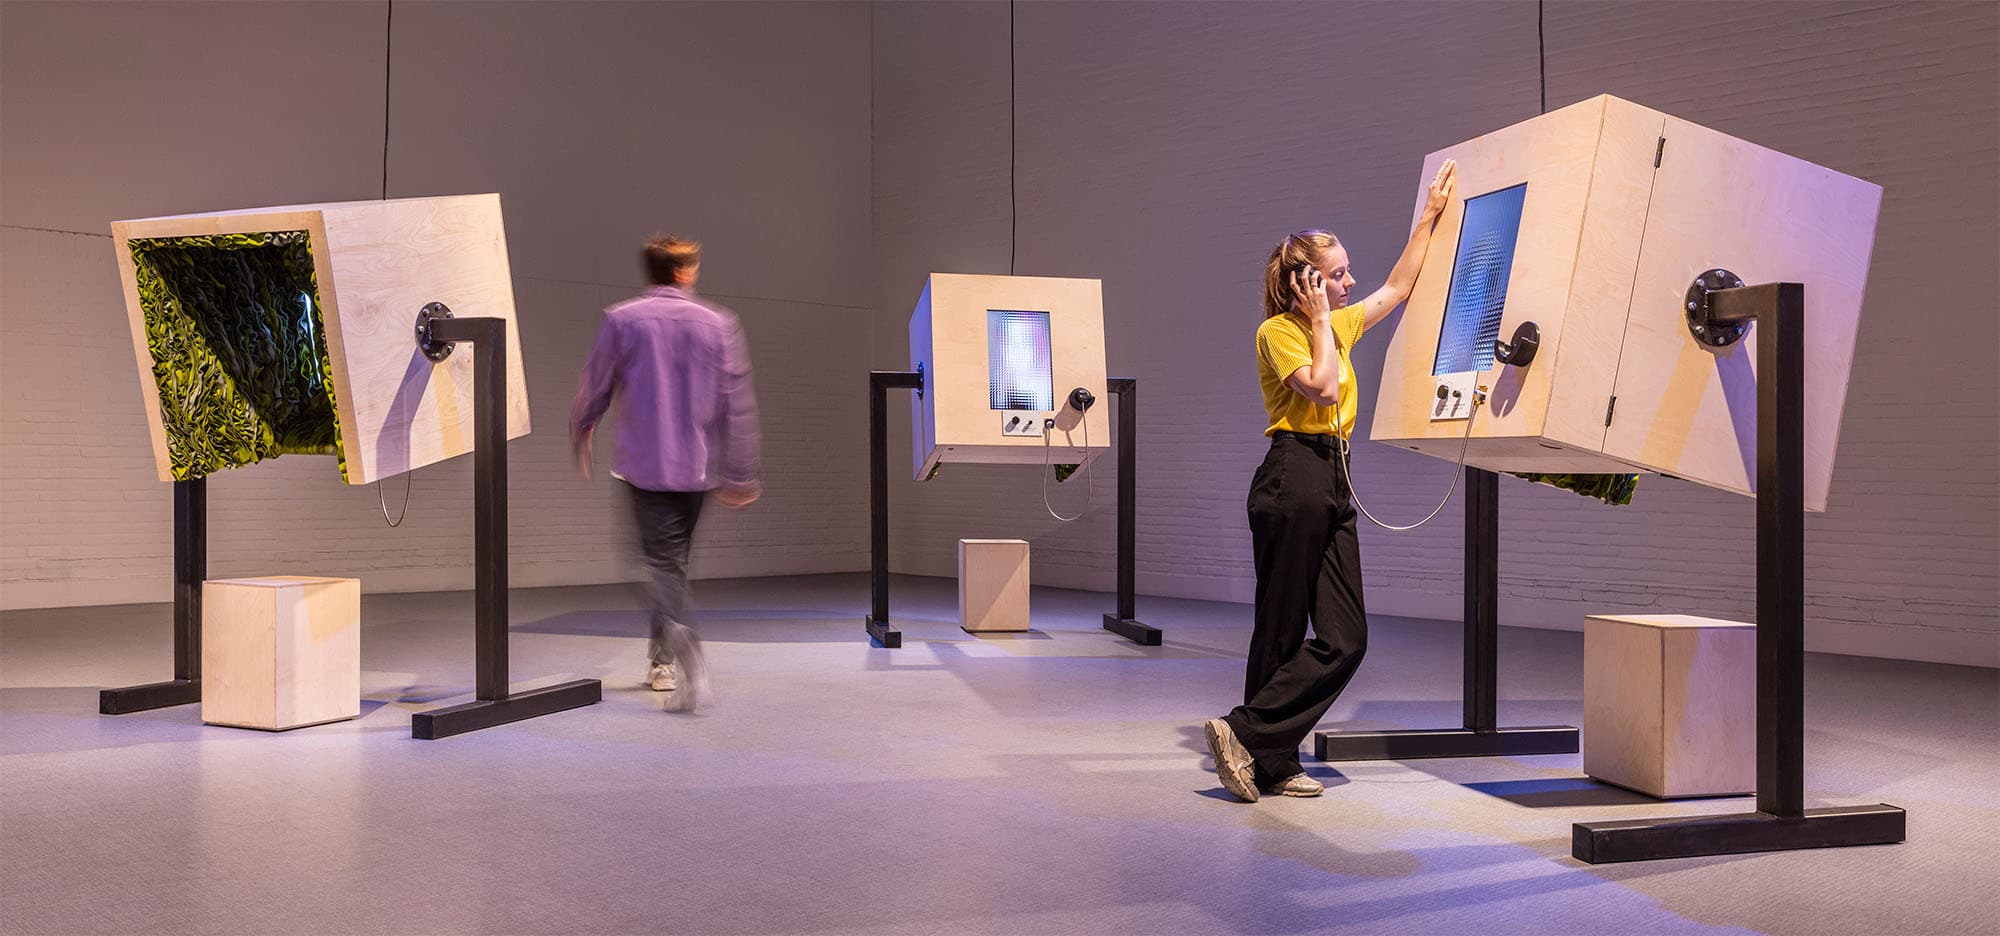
1701	322
432	348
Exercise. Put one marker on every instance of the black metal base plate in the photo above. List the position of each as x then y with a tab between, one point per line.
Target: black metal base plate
1691	836
883	633
1145	635
486	713
1422	743
149	696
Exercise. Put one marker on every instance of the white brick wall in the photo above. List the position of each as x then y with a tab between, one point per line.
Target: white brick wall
1164	148
559	107
832	154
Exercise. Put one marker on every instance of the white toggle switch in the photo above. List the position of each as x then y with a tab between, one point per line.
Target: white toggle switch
1452	398
1022	424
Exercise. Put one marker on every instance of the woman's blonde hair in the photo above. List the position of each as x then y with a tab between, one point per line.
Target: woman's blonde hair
1292	254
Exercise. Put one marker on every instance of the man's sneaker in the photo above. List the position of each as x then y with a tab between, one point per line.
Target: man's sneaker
660	676
1232	760
1297	785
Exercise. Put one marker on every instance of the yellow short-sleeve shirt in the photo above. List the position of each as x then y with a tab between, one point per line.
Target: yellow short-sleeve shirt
1283	346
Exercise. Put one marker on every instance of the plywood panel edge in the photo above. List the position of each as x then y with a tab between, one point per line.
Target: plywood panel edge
518	415
1819	487
329	318
135	314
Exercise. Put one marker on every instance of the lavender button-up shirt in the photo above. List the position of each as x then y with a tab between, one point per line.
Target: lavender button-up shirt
681	372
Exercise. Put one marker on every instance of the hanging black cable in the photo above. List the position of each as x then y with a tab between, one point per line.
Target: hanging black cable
1013	150
1542	55
388	34
388	61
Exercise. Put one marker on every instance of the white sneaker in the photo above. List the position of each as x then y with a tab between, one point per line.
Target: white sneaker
1297	785
662	678
1232	760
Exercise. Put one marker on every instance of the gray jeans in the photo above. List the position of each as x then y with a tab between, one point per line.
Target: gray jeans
666	529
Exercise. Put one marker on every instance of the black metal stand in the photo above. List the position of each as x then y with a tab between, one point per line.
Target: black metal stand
190	568
1781	821
1481	736
879	382
1124	623
494	705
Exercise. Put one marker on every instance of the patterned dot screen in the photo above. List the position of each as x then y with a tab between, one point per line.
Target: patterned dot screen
1017	360
1479	281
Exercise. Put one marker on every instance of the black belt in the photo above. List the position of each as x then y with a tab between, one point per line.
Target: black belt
1322	439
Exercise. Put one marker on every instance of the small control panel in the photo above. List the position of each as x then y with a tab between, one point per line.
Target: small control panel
1453	399
1027	424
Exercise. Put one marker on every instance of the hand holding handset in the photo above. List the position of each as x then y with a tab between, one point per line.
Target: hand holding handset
1310	287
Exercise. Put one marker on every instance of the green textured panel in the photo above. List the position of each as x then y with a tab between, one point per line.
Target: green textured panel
1609	488
239	350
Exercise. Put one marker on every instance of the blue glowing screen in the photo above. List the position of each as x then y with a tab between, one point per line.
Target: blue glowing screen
1479	281
1017	360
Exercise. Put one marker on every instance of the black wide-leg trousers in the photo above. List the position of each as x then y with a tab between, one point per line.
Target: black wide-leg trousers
1302	533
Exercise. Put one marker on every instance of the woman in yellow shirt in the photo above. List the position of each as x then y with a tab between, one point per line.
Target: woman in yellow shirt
1301	512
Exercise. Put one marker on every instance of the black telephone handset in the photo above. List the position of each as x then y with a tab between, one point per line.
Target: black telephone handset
1519	352
1074	405
1314	279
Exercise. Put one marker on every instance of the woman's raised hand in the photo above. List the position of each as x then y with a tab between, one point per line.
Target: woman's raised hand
1441	187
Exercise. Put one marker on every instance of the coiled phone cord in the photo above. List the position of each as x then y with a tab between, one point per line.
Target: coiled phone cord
1090	488
1478	398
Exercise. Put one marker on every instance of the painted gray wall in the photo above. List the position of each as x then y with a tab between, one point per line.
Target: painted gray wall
832	154
745	125
1166	147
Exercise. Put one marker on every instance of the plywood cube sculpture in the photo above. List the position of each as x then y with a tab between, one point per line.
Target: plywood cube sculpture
1592	221
280	652
1670	704
1000	356
273	331
992	585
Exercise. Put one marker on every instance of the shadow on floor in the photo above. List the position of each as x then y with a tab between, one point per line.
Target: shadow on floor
1559	793
788	626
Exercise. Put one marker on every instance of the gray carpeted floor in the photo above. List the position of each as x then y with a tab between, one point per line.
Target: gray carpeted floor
1054	782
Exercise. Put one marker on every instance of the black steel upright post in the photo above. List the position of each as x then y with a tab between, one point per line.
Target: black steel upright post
1481	735
190	570
1781	821
494	704
879	382
489	509
1781	554
1125	623
1482	594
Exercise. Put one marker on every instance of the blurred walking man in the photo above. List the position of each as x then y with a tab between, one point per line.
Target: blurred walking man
687	428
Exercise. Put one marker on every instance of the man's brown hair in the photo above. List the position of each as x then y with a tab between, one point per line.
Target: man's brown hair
668	256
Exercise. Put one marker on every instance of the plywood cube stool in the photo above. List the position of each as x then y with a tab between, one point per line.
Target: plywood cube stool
280	652
1670	704
993	585
1592	221
271	331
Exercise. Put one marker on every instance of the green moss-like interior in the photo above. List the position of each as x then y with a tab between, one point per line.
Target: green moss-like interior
1609	488
239	350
